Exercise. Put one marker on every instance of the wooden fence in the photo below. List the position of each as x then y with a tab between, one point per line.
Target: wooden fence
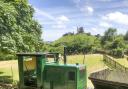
113	64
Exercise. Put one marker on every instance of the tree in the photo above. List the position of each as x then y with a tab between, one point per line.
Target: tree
69	33
126	36
116	47
109	35
98	35
89	34
78	43
118	42
19	32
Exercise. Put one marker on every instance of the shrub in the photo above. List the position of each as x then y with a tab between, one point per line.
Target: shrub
119	52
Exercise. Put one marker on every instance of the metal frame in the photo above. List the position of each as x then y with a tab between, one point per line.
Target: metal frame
40	61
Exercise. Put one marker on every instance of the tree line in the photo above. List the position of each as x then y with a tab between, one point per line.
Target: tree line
82	42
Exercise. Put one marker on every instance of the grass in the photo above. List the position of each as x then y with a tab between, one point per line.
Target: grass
123	61
9	68
92	61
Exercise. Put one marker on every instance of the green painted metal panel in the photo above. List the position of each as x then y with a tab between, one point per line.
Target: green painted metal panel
40	67
81	77
46	85
21	72
54	74
77	83
60	75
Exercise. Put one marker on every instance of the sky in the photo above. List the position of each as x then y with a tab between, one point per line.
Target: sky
58	17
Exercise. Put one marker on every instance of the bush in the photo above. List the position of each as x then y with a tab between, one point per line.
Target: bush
7	57
58	49
119	52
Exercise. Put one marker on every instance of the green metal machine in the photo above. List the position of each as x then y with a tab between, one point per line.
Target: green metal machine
36	72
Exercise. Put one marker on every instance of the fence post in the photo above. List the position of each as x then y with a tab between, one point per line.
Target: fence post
113	63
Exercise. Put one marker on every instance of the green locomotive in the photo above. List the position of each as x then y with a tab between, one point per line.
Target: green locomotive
36	72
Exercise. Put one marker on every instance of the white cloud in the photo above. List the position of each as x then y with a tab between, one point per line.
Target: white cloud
117	17
60	21
88	10
39	12
94	29
59	26
97	30
104	24
84	7
63	18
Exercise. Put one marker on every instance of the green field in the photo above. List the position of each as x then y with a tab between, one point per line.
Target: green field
92	61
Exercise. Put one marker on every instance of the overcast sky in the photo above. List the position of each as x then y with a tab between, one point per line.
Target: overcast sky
60	16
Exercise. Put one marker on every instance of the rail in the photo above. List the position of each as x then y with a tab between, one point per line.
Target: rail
114	64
